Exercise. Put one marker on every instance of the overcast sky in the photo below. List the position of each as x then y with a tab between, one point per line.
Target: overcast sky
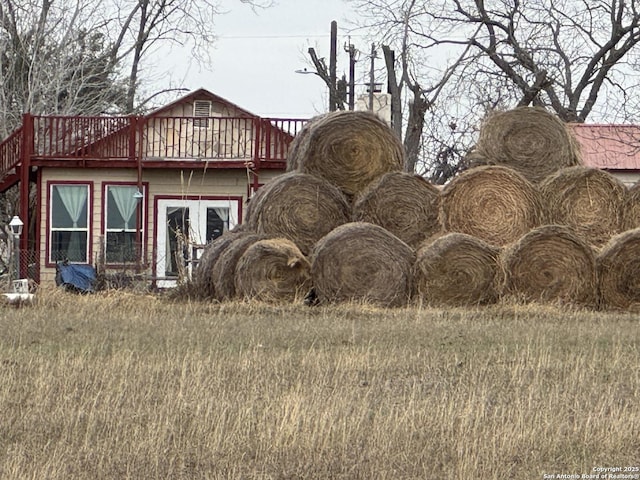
255	58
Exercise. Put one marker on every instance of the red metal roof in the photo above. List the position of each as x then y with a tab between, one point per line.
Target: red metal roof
607	146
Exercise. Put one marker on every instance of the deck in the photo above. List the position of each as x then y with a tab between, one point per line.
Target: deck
146	142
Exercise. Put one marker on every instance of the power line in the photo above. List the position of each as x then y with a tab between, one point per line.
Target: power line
241	37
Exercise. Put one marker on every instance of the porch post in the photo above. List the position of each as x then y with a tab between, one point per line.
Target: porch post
257	151
26	151
135	146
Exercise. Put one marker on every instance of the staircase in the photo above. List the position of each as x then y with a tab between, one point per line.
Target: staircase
10	160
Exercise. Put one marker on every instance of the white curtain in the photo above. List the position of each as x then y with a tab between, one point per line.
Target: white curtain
223	213
126	203
73	198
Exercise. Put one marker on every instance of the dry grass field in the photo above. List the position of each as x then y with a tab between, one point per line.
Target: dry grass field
126	386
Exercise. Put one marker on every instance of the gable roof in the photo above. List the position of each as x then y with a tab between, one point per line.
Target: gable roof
608	146
200	94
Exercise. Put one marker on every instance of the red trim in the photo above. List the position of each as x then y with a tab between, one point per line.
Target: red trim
145	216
38	215
198	95
159	164
157	198
47	261
25	170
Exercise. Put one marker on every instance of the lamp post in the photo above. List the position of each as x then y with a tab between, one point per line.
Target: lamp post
16	230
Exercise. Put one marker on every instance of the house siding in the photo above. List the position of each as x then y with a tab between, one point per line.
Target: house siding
161	183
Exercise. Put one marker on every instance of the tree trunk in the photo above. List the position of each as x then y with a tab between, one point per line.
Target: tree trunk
415	125
394	90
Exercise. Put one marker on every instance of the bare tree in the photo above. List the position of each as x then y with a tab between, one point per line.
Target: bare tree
575	57
87	57
53	60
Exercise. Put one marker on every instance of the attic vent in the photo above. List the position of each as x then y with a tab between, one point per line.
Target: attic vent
202	112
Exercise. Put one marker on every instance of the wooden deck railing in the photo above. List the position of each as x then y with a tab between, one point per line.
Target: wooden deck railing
81	137
151	138
146	139
10	152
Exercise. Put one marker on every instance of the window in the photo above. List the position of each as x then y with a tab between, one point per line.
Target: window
202	112
69	223
217	222
121	222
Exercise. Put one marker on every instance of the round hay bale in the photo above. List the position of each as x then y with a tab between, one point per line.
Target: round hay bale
632	208
299	144
272	270
350	149
457	269
493	203
531	140
407	205
223	271
590	200
551	264
618	266
363	262
202	276
300	207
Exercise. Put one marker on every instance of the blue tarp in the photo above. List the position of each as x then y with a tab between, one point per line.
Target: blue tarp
81	278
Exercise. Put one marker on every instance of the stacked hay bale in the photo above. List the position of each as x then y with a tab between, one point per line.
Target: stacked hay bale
299	144
551	264
493	203
632	208
349	149
203	281
300	207
362	262
530	140
273	270
590	200
223	270
458	270
346	223
618	266
404	204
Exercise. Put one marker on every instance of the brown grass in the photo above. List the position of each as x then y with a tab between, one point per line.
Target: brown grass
115	386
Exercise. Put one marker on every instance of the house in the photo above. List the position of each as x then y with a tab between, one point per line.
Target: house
138	194
614	148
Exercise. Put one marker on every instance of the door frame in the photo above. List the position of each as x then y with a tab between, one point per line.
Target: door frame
161	202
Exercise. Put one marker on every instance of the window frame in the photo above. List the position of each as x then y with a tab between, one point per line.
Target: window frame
143	222
50	262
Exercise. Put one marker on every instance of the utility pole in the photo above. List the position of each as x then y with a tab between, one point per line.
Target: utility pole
372	77
351	49
333	60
